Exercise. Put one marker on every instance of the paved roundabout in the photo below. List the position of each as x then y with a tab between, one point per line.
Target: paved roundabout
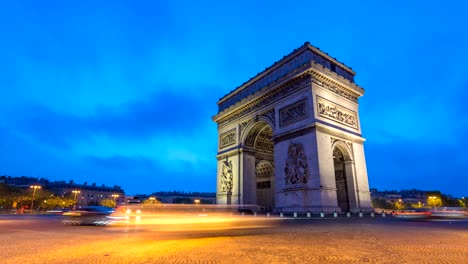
355	240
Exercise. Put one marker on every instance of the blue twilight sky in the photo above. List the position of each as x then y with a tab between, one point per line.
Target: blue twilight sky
122	92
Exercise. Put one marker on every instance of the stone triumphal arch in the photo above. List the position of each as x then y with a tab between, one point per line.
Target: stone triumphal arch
290	138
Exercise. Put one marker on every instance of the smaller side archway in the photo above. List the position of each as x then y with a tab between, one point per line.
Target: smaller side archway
343	168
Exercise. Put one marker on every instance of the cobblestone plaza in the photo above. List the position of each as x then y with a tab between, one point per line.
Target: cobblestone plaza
343	240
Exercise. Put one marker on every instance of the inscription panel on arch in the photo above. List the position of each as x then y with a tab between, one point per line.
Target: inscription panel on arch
337	113
227	138
293	113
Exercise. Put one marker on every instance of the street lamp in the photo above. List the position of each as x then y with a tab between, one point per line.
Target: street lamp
152	199
34	187
197	201
114	196
75	192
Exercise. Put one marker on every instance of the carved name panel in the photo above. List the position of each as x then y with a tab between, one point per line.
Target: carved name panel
293	113
336	113
227	138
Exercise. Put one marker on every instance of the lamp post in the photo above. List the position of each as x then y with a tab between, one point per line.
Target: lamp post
115	196
34	187
75	192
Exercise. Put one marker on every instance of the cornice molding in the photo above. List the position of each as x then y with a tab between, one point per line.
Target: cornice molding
349	90
339	134
293	133
264	99
315	73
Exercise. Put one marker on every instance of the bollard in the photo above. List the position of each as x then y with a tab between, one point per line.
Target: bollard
242	213
360	214
383	214
308	214
348	214
281	214
295	214
335	214
268	214
255	213
372	214
322	214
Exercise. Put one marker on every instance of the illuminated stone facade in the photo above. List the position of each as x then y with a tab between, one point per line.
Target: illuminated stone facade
290	140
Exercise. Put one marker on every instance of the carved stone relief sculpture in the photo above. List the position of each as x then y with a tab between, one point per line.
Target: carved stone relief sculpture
227	138
336	113
296	169
227	177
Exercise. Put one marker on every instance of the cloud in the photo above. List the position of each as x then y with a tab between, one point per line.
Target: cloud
164	113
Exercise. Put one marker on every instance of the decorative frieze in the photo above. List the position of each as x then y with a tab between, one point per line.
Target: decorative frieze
227	138
226	177
319	79
336	113
296	169
293	113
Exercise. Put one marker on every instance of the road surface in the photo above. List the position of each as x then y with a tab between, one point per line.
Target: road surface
40	239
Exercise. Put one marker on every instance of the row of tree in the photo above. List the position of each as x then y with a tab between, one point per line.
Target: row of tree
12	198
432	202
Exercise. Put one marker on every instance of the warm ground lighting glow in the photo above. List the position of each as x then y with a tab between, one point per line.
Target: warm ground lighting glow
187	217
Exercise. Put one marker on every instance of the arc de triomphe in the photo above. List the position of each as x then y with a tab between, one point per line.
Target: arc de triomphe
290	138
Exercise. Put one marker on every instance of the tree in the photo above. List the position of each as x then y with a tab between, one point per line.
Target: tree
462	202
417	205
108	202
399	205
379	203
434	201
182	200
151	200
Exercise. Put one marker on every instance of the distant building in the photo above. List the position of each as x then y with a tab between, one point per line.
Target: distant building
412	196
88	194
83	193
185	197
22	182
